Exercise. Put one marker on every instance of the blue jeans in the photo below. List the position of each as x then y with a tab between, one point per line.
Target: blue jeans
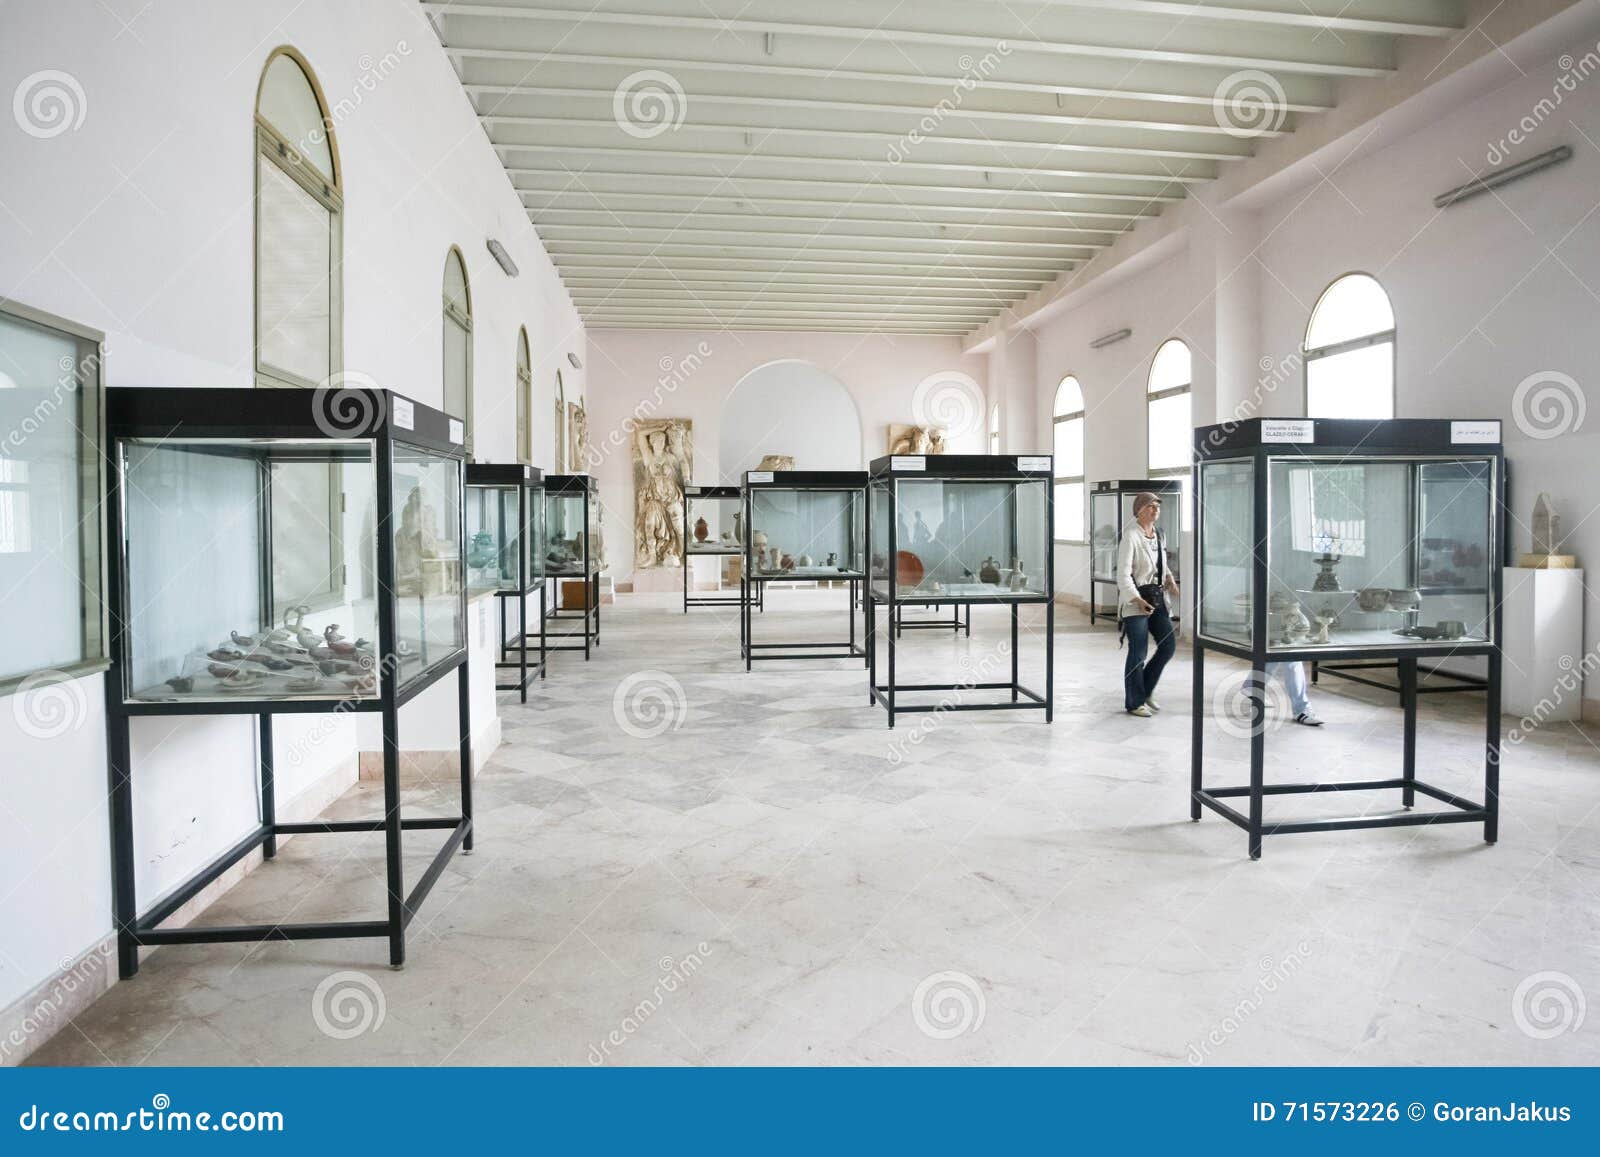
1139	678
1293	678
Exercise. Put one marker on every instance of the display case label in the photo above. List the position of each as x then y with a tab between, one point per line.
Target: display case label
759	476
1035	464
403	414
1300	430
908	462
458	431
1483	433
691	490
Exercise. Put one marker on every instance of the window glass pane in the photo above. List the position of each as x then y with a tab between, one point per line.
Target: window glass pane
1358	383
1069	511
48	582
455	284
1069	448
455	369
1172	367
1069	396
289	104
1354	306
1170	432
294	244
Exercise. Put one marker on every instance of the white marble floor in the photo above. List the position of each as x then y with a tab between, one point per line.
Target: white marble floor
776	878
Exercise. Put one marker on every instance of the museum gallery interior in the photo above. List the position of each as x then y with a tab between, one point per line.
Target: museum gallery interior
718	533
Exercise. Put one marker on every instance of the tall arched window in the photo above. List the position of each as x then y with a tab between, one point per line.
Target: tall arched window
1170	423
1068	449
524	399
299	234
1349	351
994	428
458	341
561	425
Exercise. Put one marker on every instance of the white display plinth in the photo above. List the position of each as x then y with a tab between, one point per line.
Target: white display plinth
1542	633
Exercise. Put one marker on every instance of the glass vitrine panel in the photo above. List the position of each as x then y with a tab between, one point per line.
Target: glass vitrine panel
966	538
497	543
802	533
428	574
714	524
249	569
1105	532
567	550
1226	535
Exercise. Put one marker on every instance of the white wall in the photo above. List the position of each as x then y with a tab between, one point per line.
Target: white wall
645	373
138	222
1486	294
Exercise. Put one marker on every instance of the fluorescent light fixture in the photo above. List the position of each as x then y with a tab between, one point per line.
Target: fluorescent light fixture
1494	178
1110	339
498	252
576	364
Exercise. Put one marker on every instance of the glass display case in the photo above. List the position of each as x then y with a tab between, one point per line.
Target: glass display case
281	551
250	566
1352	540
802	526
713	518
505	554
961	529
1111	513
573	560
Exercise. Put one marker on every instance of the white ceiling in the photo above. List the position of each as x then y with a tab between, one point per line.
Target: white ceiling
866	165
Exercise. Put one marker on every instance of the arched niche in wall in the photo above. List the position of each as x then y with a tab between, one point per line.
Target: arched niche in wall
789	407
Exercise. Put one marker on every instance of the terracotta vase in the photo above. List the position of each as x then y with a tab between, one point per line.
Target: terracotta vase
701	530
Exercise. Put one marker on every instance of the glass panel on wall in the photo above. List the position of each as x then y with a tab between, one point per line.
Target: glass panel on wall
293	284
815	533
1069	511
1226	522
1170	433
248	578
968	538
429	623
49	495
289	103
1357	383
714	523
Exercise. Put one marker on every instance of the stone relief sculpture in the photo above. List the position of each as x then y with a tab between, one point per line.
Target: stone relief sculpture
777	462
561	434
915	439
578	427
1547	538
662	464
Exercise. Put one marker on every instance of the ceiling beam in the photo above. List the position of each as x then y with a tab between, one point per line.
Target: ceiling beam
860	282
715	204
779	255
697	235
1436	18
712	218
860	33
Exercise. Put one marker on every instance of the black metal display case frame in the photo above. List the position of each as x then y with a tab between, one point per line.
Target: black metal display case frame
529	484
588	572
752	586
961	468
1357	441
719	551
232	414
1171	492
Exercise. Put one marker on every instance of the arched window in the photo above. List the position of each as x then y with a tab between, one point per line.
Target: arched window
524	399
299	234
458	341
561	425
1068	449
1349	351
994	428
1169	419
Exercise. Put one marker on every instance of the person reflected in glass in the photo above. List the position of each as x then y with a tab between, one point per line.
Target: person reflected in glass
1144	583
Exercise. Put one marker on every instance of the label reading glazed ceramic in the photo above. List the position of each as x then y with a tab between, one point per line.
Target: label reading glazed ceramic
908	462
759	476
1039	464
403	413
1298	430
1484	433
458	431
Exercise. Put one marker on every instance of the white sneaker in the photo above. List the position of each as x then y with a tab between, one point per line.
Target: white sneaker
1308	719
1152	704
1143	711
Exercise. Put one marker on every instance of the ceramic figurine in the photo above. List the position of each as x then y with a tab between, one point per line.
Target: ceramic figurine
1295	624
270	663
294	615
1019	578
481	551
225	654
701	530
805	560
989	572
307	639
221	670
727	537
182	684
331	634
833	559
760	543
245	641
1326	579
1325	619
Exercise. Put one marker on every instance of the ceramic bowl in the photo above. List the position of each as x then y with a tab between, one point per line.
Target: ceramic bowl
1404	599
1451	628
1372	599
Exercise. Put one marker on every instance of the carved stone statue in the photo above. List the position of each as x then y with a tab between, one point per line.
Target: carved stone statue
916	439
1547	539
662	451
777	462
578	426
